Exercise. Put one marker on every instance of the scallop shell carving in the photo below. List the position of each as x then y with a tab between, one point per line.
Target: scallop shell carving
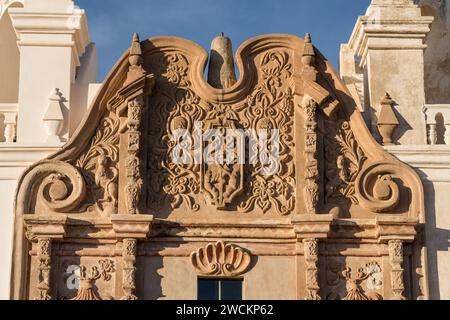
218	259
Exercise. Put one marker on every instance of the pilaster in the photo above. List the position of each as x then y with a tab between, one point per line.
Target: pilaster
52	36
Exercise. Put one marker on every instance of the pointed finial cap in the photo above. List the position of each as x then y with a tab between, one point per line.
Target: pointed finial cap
387	100
309	49
55	95
136	51
308	37
387	114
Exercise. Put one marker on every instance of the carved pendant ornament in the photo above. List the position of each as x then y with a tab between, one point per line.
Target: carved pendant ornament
277	159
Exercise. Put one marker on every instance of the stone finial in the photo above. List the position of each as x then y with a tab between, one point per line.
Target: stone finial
308	51
135	58
221	73
387	120
54	117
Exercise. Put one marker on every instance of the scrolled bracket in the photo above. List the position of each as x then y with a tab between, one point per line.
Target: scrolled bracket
58	185
377	189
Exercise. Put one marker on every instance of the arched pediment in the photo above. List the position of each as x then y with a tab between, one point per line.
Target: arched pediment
119	163
346	151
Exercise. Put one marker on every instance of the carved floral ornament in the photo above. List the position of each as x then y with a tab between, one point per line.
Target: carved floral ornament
218	259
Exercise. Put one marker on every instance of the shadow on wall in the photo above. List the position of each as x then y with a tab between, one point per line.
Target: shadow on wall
437	240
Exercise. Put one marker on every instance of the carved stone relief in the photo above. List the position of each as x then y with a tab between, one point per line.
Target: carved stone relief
269	106
311	249
218	259
365	284
344	160
87	279
396	259
117	171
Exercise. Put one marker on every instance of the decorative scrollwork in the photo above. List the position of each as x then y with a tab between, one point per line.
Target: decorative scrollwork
104	146
376	188
61	187
218	259
176	106
270	107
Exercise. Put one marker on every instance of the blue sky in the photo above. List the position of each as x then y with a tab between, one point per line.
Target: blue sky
112	22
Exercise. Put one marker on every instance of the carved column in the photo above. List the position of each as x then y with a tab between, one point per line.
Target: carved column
396	259
395	231
311	251
44	253
129	270
134	183
129	229
44	229
311	191
310	229
129	104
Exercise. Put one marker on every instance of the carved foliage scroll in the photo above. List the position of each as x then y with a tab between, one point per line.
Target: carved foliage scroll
269	107
218	259
99	166
344	160
176	106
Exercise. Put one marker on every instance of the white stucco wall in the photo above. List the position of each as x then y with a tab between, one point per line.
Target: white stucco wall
44	44
432	163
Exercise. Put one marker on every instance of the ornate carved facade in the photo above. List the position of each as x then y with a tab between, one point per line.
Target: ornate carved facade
338	215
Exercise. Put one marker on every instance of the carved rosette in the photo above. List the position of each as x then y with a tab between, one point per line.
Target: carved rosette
396	259
218	259
44	252
311	251
129	269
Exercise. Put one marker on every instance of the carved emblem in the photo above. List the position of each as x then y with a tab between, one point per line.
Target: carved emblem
222	174
218	259
370	274
87	280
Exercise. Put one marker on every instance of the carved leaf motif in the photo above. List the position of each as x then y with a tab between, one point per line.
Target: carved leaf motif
174	107
219	259
105	142
269	107
344	161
